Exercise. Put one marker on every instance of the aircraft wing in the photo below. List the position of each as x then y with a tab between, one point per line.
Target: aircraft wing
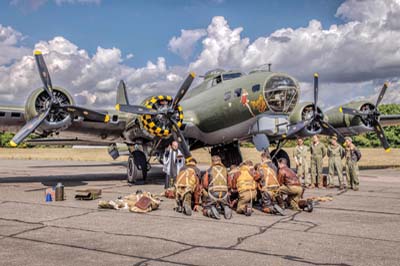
390	120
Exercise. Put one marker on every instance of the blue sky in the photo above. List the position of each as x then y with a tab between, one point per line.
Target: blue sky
144	28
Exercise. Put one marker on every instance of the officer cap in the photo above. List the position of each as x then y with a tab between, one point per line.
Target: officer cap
348	138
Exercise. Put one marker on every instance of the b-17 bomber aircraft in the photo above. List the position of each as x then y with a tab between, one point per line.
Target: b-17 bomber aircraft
227	108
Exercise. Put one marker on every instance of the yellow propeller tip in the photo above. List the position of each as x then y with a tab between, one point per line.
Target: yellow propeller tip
341	109
37	52
316	75
387	150
106	119
193	74
117	107
13	144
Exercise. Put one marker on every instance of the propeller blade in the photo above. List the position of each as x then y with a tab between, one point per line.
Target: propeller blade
136	109
28	128
381	94
88	114
351	111
178	136
44	73
315	94
381	135
184	88
332	131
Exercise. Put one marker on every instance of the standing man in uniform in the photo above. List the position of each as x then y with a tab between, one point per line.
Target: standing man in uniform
353	155
243	182
335	155
187	188
216	185
300	157
173	162
318	152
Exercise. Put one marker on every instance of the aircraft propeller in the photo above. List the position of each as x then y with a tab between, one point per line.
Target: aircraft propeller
168	113
52	105
316	120
371	117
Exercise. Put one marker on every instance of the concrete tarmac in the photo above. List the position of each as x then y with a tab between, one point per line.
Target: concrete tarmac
356	228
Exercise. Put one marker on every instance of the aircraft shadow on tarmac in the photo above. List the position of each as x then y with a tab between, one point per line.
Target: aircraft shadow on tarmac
155	176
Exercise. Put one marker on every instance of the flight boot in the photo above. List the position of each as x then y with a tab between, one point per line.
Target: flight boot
227	212
187	209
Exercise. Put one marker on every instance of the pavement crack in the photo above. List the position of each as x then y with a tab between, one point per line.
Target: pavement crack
67	217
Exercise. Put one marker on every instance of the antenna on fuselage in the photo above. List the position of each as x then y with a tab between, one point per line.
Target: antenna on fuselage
269	67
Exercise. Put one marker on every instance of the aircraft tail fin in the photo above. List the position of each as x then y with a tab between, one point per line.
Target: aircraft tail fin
122	96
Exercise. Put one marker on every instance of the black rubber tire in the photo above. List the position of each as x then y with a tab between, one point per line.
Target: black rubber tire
281	154
132	171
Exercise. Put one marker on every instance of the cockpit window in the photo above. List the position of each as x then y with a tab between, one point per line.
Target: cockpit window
281	94
231	76
216	80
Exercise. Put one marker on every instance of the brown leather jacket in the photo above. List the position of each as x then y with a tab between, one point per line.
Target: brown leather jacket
287	177
206	177
197	190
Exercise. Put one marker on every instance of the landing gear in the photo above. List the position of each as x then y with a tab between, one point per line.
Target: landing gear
137	163
230	154
280	154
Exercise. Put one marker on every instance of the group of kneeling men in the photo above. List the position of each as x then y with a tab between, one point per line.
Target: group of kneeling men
220	191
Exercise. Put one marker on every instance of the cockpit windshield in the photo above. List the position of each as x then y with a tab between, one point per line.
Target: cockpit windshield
281	94
231	76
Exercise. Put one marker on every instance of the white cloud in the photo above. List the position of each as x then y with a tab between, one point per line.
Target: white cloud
9	45
185	44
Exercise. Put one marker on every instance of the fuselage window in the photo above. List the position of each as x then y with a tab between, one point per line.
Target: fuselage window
2	114
15	115
231	76
227	95
256	88
238	92
217	80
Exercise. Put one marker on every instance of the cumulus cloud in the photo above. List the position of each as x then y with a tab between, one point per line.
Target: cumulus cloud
9	48
92	79
184	44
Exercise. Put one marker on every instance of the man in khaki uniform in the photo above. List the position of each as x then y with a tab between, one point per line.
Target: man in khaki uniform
300	157
216	185
289	184
335	155
318	152
353	155
187	188
243	182
267	185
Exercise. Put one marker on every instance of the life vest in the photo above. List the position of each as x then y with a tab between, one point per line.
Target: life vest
269	181
217	181
186	180
245	181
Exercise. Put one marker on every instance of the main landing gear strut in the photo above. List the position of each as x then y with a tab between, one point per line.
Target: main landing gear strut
230	154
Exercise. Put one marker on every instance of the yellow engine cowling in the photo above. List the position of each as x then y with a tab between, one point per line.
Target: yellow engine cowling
157	125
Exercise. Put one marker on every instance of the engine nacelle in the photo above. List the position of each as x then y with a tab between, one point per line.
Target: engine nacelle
159	125
38	101
341	120
305	111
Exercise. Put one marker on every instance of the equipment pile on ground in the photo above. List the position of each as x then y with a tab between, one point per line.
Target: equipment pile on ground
138	202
